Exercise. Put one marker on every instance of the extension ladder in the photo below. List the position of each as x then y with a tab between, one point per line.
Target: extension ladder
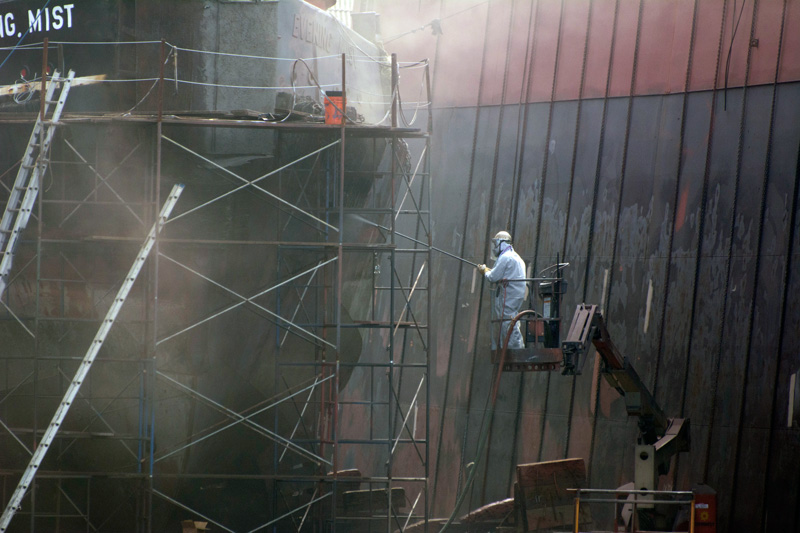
86	364
31	170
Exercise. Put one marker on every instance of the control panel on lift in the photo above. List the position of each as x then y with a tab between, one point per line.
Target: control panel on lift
540	325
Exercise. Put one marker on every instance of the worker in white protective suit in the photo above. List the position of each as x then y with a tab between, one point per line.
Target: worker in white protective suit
508	296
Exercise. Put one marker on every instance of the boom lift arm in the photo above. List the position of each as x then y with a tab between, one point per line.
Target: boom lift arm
660	437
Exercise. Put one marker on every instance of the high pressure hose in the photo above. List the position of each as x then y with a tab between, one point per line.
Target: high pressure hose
484	435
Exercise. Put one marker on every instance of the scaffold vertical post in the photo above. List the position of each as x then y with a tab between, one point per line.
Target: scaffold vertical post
429	102
42	101
395	90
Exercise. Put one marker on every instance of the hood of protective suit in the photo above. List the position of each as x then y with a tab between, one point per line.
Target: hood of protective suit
498	247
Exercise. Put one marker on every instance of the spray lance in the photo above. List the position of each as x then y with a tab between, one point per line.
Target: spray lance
371	223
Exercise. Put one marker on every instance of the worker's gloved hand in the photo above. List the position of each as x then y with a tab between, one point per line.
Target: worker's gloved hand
483	269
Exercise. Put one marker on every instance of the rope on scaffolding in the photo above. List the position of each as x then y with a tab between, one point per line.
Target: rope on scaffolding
359	59
153	86
51	44
344	33
40	45
413	64
24	96
248	56
402	114
313	78
229	86
378	99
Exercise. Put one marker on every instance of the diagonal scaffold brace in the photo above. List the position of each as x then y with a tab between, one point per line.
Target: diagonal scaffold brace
86	364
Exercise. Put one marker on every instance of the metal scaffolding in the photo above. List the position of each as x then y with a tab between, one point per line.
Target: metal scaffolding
259	384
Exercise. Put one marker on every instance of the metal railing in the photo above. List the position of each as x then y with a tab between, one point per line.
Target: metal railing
641	499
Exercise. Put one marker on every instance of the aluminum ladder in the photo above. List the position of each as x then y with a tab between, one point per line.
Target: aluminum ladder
31	170
28	475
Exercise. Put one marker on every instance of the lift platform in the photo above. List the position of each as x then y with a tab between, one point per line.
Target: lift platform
540	325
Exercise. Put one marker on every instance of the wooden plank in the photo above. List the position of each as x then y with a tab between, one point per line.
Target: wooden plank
344	484
371	501
543	494
8	90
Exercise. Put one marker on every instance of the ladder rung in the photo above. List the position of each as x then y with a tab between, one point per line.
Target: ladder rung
51	101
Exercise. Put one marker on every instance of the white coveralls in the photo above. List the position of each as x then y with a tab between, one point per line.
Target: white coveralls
508	295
